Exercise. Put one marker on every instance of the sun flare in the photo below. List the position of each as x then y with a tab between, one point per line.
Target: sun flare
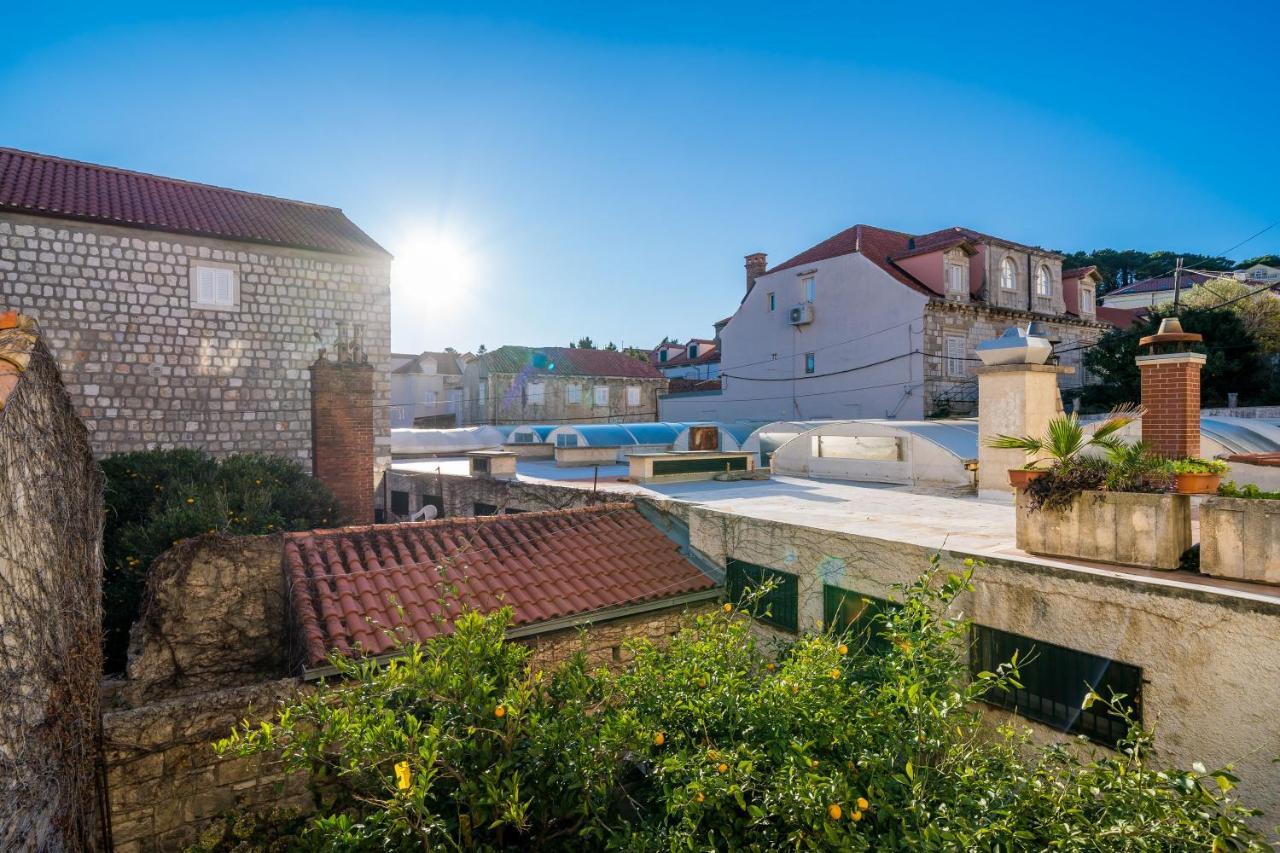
434	267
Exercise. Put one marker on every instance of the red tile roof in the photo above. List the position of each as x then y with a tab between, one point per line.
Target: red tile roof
1079	272
41	185
1121	318
1162	283
349	586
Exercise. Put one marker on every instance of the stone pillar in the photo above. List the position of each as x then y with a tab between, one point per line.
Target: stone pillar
1171	398
1013	399
342	417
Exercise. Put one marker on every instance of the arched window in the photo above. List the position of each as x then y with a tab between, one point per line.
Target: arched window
1009	274
1044	281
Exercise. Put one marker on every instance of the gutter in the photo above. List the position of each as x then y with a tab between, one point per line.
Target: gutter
551	625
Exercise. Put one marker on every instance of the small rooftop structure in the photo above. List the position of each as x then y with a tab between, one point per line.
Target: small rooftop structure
447	442
729	435
349	588
628	438
933	453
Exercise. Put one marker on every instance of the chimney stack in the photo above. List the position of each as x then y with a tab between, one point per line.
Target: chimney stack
342	455
1171	390
757	263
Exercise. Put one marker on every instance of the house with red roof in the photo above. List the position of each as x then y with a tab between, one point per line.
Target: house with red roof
539	385
184	314
876	323
693	365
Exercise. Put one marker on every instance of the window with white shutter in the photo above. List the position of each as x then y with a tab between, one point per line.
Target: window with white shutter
957	281
573	393
215	287
601	395
633	395
535	393
955	355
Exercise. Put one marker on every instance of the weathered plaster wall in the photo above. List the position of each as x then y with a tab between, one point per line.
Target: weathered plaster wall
458	495
145	368
1211	664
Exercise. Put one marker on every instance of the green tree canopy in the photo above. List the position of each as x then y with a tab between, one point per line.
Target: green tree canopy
1233	364
1125	266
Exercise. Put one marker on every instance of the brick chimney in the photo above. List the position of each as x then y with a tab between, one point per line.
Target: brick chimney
342	417
1171	390
757	263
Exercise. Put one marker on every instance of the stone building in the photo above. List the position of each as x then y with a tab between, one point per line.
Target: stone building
426	389
234	625
873	323
185	314
524	385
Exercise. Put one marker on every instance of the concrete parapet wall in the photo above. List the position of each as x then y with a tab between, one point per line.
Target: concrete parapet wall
1126	528
1240	538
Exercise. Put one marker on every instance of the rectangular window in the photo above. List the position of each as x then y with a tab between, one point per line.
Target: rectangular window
853	615
601	395
524	438
809	363
875	448
957	280
535	393
1086	301
773	301
400	503
810	289
955	355
1054	682
662	355
215	287
573	393
484	509
780	606
567	439
633	395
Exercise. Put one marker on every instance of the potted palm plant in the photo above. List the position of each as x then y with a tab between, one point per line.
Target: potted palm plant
1064	440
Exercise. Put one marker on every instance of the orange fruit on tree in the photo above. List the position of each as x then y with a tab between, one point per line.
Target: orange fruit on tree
834	811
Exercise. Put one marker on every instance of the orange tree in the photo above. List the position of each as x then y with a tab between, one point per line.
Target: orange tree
860	742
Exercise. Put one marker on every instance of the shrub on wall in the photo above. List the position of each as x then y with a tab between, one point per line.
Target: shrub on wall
155	498
710	743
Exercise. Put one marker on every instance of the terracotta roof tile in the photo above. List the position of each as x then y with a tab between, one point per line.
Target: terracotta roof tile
349	587
51	186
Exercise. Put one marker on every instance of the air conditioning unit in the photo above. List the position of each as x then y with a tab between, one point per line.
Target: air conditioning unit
801	314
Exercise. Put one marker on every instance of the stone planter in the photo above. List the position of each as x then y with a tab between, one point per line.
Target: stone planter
1126	528
1240	538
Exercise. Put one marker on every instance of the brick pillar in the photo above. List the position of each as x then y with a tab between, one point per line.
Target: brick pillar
1171	397
342	434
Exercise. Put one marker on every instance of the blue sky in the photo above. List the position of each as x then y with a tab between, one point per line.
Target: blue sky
545	171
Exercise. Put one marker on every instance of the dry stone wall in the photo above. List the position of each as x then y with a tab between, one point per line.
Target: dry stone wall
147	369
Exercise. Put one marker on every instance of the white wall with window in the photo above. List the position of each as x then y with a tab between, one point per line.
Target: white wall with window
810	289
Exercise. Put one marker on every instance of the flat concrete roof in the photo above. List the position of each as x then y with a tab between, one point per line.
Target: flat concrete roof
983	529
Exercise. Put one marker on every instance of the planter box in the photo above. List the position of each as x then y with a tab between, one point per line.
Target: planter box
1240	539
1126	528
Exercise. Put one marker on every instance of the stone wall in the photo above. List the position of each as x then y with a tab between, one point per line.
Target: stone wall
457	495
165	781
978	323
50	605
147	369
605	643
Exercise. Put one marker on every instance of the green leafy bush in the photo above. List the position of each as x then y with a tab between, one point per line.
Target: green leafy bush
1230	490
155	498
709	742
1196	465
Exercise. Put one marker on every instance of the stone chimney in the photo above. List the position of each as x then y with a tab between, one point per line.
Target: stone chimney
1171	390
757	263
342	417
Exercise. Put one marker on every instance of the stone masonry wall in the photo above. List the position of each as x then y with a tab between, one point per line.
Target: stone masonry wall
978	323
458	495
505	401
147	369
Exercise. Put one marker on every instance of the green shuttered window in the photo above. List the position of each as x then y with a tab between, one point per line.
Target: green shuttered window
1054	682
853	614
779	607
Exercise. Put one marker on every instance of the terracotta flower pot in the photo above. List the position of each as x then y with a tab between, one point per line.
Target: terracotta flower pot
1197	484
1020	478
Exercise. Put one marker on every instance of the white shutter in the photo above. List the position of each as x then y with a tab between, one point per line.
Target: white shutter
222	287
955	356
633	395
205	289
573	393
602	395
